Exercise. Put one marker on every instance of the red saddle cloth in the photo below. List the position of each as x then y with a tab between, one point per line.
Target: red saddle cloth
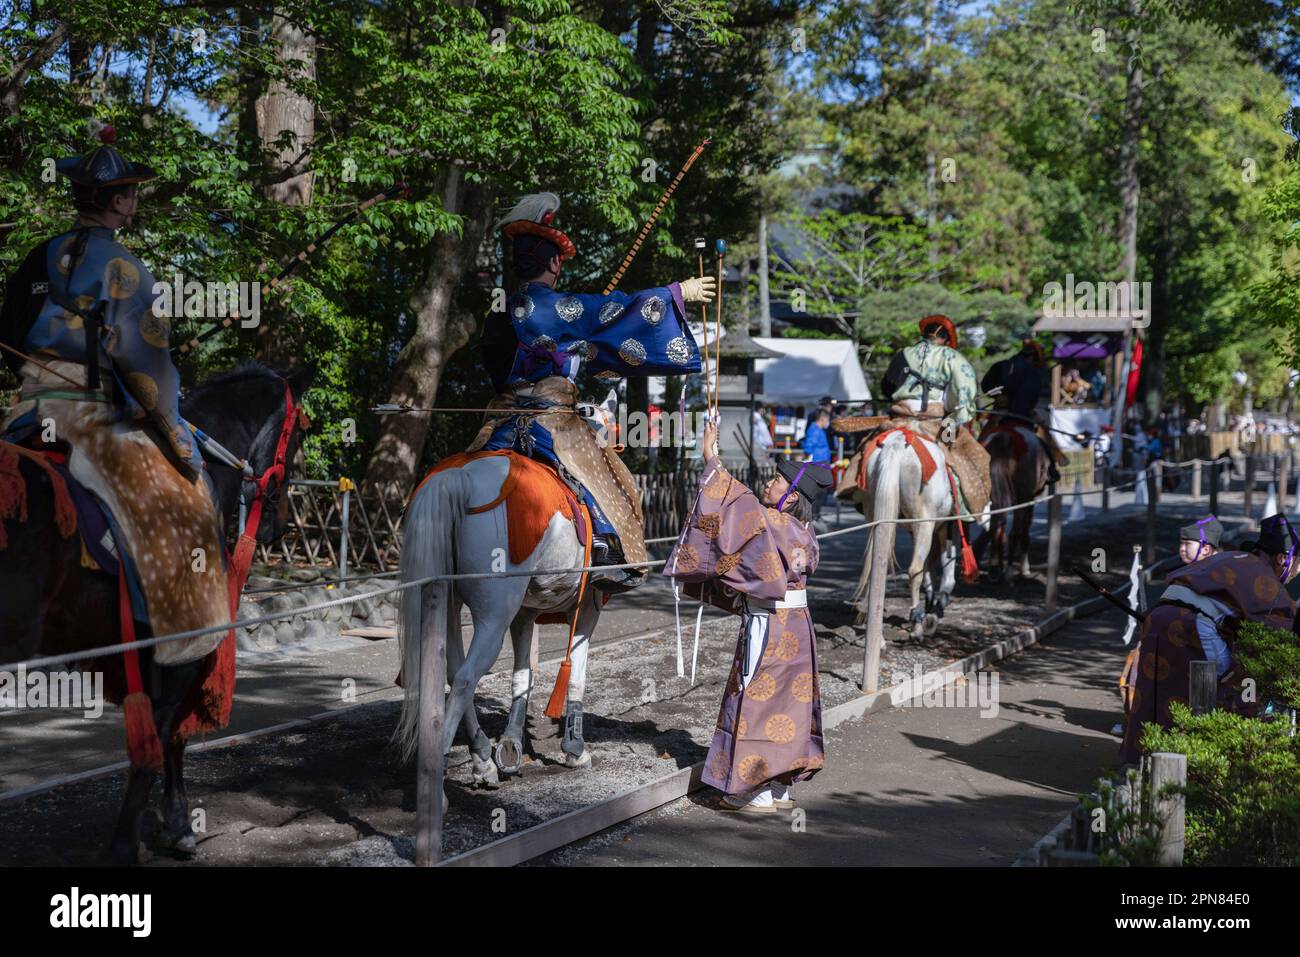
912	438
13	490
1018	446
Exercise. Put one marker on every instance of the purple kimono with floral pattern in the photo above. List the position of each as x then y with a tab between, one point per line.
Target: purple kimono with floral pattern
744	557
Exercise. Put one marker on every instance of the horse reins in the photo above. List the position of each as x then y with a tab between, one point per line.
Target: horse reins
242	560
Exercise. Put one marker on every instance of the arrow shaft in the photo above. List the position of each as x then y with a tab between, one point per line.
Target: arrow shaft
654	216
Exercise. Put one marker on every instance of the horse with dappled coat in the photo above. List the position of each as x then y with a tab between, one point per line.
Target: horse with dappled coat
57	599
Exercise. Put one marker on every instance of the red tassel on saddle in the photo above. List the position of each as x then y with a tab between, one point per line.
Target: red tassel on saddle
143	748
970	569
555	706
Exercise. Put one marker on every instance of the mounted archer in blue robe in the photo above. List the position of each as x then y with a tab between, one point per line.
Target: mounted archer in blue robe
536	349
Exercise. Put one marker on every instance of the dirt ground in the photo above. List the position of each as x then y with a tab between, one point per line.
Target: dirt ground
334	792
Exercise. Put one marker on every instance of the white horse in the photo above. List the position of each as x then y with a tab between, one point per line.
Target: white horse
895	490
440	537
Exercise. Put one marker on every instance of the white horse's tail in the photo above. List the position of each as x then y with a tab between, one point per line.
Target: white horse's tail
430	529
884	480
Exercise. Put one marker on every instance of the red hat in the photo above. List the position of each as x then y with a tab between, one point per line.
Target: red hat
1029	345
532	216
1108	428
944	323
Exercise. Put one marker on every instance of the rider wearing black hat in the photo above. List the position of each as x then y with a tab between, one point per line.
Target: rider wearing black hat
86	315
83	301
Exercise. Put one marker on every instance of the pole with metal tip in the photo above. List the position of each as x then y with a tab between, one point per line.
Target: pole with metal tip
700	244
720	246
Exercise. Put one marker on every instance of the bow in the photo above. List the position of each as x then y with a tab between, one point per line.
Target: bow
649	223
397	189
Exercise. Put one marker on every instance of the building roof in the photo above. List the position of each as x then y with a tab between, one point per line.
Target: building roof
807	369
1083	322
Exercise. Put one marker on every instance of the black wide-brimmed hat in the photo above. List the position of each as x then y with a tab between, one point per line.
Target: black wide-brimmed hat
104	166
1276	536
810	479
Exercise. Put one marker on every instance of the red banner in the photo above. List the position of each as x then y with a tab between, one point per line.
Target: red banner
1135	369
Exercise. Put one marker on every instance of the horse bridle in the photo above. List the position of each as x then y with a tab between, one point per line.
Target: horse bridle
293	415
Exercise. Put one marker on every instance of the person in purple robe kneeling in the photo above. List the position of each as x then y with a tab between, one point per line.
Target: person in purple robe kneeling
751	556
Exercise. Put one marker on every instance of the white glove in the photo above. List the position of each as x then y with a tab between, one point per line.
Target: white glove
698	289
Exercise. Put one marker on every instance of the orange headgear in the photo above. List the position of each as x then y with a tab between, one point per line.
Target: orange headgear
1032	348
532	216
943	322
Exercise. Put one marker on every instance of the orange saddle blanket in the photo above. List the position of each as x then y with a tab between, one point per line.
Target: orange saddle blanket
532	493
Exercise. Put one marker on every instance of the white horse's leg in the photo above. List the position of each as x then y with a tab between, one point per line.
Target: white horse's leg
922	539
509	754
573	747
492	612
456	658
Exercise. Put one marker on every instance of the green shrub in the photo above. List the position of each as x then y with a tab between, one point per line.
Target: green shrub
1243	787
1131	837
1272	658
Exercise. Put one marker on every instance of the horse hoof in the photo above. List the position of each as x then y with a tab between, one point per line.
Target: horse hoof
930	625
576	762
509	755
185	845
485	774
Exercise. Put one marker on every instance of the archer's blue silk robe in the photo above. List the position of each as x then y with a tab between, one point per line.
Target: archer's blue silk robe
611	337
134	337
555	333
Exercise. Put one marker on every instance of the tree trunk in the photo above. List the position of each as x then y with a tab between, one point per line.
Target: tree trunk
1130	140
764	293
1152	377
931	161
282	109
279	110
439	331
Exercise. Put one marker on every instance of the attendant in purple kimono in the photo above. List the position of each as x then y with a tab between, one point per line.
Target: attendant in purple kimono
752	555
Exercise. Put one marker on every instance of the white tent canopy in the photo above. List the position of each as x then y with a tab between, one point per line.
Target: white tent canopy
811	368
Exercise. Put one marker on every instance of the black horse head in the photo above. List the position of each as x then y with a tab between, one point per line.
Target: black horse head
245	410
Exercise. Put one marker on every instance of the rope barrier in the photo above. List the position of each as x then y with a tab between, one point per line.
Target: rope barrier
105	651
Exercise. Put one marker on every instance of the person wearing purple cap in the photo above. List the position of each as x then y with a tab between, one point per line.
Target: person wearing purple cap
1200	539
1196	619
751	554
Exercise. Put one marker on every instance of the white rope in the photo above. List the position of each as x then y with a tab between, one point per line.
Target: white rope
105	651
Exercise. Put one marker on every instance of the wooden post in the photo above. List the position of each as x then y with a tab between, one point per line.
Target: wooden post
1053	547
1149	556
1170	809
1158	468
1248	496
1203	686
1283	480
1196	481
435	609
882	547
1214	486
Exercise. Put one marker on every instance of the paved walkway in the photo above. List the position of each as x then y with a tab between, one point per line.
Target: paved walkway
919	786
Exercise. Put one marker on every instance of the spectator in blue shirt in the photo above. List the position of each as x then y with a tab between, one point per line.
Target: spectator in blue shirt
816	446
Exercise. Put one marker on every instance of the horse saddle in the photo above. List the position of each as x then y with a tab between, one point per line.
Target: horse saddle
92	519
